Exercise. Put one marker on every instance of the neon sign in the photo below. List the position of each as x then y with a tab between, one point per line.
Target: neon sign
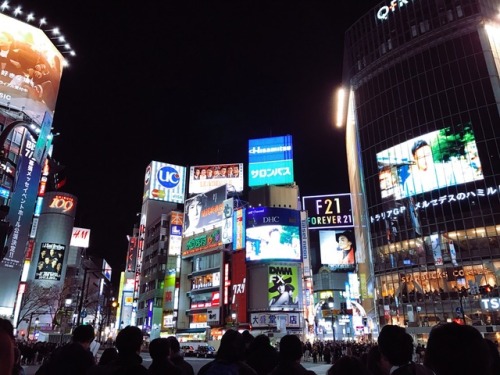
383	13
62	202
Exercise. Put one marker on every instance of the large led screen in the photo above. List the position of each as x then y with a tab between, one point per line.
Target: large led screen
50	262
204	211
165	182
273	233
203	178
31	68
337	249
431	161
270	161
283	286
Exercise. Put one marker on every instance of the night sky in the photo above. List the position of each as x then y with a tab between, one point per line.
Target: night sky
188	85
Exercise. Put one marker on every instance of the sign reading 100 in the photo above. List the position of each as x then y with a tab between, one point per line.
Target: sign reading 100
328	211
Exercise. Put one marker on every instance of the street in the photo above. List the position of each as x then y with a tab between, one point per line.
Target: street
197	363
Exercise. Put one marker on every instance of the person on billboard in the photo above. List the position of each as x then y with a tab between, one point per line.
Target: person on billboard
345	248
425	175
196	175
210	173
9	56
235	171
223	172
203	174
192	215
284	291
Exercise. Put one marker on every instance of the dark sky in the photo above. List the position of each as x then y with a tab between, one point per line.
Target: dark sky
187	85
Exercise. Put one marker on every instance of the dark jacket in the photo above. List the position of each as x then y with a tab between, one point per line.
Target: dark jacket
71	359
263	360
412	369
181	363
243	368
291	368
129	364
162	367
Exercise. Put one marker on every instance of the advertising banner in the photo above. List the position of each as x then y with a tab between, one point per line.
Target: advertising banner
239	286
22	207
328	211
227	226
270	161
431	161
50	261
203	178
165	182
31	69
239	228
273	233
169	291
202	243
80	237
337	249
283	284
204	211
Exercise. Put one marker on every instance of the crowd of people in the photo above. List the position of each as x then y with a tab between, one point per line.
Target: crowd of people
451	349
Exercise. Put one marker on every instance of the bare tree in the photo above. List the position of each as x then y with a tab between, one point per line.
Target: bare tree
39	299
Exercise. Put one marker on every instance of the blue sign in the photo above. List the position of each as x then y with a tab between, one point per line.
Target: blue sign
168	177
270	161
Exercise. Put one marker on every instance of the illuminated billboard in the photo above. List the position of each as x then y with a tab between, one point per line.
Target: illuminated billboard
328	211
239	224
203	178
31	69
272	233
165	182
270	161
204	211
431	161
283	286
50	262
80	237
175	240
337	249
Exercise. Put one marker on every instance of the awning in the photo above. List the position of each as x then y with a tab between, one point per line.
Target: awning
190	330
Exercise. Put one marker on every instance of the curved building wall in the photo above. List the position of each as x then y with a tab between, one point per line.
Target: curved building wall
429	72
51	249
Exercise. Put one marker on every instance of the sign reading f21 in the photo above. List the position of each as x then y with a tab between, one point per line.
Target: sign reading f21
328	211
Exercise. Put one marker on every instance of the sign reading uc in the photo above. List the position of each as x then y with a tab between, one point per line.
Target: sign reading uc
168	177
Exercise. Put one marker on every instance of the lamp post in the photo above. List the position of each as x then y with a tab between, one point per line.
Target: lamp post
330	306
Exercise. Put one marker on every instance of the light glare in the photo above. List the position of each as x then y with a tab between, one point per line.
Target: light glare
340	107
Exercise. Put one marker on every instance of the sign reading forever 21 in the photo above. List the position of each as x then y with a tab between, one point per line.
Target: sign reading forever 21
328	211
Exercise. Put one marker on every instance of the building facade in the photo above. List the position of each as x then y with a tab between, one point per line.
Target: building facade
422	140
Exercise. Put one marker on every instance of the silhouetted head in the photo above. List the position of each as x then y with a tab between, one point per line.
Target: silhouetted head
290	348
454	349
83	334
395	345
129	340
159	348
175	347
232	347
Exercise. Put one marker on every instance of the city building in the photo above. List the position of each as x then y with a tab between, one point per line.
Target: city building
422	139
